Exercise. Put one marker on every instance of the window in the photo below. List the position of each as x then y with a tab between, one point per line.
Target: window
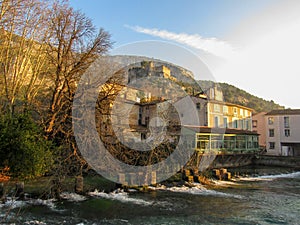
241	112
287	132
271	132
143	136
247	124
198	105
270	120
234	110
235	124
216	121
254	123
225	122
147	119
271	145
246	113
242	124
225	109
286	122
216	108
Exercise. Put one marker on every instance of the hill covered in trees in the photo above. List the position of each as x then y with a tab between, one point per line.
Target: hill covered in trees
238	96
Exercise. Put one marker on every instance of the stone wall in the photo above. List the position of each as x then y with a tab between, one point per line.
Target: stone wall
283	161
232	160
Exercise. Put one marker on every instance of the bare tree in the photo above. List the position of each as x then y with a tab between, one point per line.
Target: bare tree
73	46
23	29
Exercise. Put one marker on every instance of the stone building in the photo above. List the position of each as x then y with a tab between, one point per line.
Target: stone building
147	69
212	124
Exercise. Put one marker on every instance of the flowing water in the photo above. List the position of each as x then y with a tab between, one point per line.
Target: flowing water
265	196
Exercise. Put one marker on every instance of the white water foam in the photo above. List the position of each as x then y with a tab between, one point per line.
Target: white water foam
121	196
73	197
12	203
35	222
270	177
287	175
49	202
195	190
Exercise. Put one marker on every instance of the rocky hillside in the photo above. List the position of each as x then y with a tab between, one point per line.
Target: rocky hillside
176	71
185	78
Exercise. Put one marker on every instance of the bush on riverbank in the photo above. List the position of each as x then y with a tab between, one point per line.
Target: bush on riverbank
23	147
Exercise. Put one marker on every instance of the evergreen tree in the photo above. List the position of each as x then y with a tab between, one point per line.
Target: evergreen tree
23	147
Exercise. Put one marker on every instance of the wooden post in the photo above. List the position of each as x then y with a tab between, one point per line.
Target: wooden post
56	188
228	176
79	185
190	179
20	190
195	171
2	193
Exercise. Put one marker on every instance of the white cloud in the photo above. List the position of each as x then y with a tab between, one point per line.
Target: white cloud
210	45
268	64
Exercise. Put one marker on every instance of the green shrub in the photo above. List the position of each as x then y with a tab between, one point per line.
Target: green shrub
23	147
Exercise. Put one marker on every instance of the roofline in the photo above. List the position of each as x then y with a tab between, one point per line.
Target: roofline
231	104
279	112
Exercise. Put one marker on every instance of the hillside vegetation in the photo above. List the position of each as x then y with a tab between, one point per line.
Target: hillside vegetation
235	95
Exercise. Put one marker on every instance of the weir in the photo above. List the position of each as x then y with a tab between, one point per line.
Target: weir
201	162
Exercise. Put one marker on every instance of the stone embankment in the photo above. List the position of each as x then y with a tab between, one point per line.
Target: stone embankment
281	161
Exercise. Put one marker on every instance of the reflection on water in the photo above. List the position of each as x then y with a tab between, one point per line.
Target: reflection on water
256	199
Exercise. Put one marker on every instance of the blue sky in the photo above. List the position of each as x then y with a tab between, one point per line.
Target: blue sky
210	18
252	44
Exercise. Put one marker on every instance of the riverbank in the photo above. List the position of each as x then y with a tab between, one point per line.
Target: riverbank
42	188
261	195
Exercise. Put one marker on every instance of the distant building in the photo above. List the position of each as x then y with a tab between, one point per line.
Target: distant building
225	127
220	127
147	69
283	132
259	125
222	114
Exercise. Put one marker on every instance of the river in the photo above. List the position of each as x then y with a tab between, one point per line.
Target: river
260	196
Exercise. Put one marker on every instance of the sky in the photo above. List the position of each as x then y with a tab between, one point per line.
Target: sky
252	44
